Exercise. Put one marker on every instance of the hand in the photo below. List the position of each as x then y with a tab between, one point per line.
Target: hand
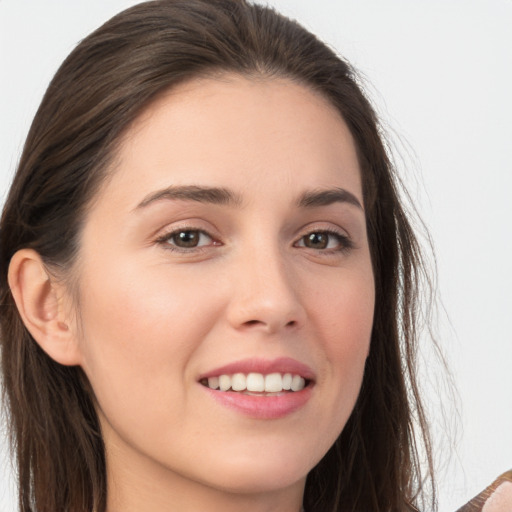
500	500
495	498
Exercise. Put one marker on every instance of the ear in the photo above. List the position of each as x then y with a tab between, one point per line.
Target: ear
40	300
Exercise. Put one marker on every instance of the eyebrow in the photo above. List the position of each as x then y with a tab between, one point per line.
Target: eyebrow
224	196
211	195
326	197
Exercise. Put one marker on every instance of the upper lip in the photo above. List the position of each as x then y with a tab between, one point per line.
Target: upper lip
264	366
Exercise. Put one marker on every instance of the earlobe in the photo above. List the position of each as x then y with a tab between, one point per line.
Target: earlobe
39	300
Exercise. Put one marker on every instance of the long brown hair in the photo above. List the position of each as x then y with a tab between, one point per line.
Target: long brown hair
99	90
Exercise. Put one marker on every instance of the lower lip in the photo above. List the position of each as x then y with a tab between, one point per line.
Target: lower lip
262	407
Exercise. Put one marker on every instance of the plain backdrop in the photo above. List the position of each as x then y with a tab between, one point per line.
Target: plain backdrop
440	75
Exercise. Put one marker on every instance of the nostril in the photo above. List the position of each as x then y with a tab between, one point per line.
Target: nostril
249	323
253	322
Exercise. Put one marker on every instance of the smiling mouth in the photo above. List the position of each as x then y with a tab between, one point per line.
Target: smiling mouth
257	383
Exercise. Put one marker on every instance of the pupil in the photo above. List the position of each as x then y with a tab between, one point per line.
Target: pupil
187	238
317	240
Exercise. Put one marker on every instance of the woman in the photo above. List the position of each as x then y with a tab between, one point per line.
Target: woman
208	279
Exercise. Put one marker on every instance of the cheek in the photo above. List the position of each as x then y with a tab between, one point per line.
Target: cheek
345	308
341	313
352	327
140	332
344	317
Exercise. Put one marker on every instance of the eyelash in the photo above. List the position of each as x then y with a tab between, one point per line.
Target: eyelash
345	244
343	241
165	240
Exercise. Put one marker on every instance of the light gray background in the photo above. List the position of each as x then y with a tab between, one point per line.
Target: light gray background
440	73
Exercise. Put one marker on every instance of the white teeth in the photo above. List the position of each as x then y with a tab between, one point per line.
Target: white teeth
224	382
257	382
298	383
238	382
213	382
273	383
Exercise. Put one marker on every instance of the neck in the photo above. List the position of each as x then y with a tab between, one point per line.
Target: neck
173	496
135	484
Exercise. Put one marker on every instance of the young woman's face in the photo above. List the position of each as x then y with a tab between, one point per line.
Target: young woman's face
229	248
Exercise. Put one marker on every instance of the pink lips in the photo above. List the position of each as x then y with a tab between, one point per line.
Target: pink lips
262	406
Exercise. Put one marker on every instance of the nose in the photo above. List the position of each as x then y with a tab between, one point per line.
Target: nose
266	294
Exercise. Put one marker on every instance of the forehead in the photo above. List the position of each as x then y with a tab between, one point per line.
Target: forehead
237	132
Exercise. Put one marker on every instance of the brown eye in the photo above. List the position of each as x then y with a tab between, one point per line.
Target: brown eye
316	240
188	239
325	240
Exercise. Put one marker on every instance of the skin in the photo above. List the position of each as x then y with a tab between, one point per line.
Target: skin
500	500
153	317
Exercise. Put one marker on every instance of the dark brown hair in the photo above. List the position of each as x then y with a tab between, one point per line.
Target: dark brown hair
96	94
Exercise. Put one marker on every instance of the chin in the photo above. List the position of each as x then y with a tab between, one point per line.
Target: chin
266	471
258	480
